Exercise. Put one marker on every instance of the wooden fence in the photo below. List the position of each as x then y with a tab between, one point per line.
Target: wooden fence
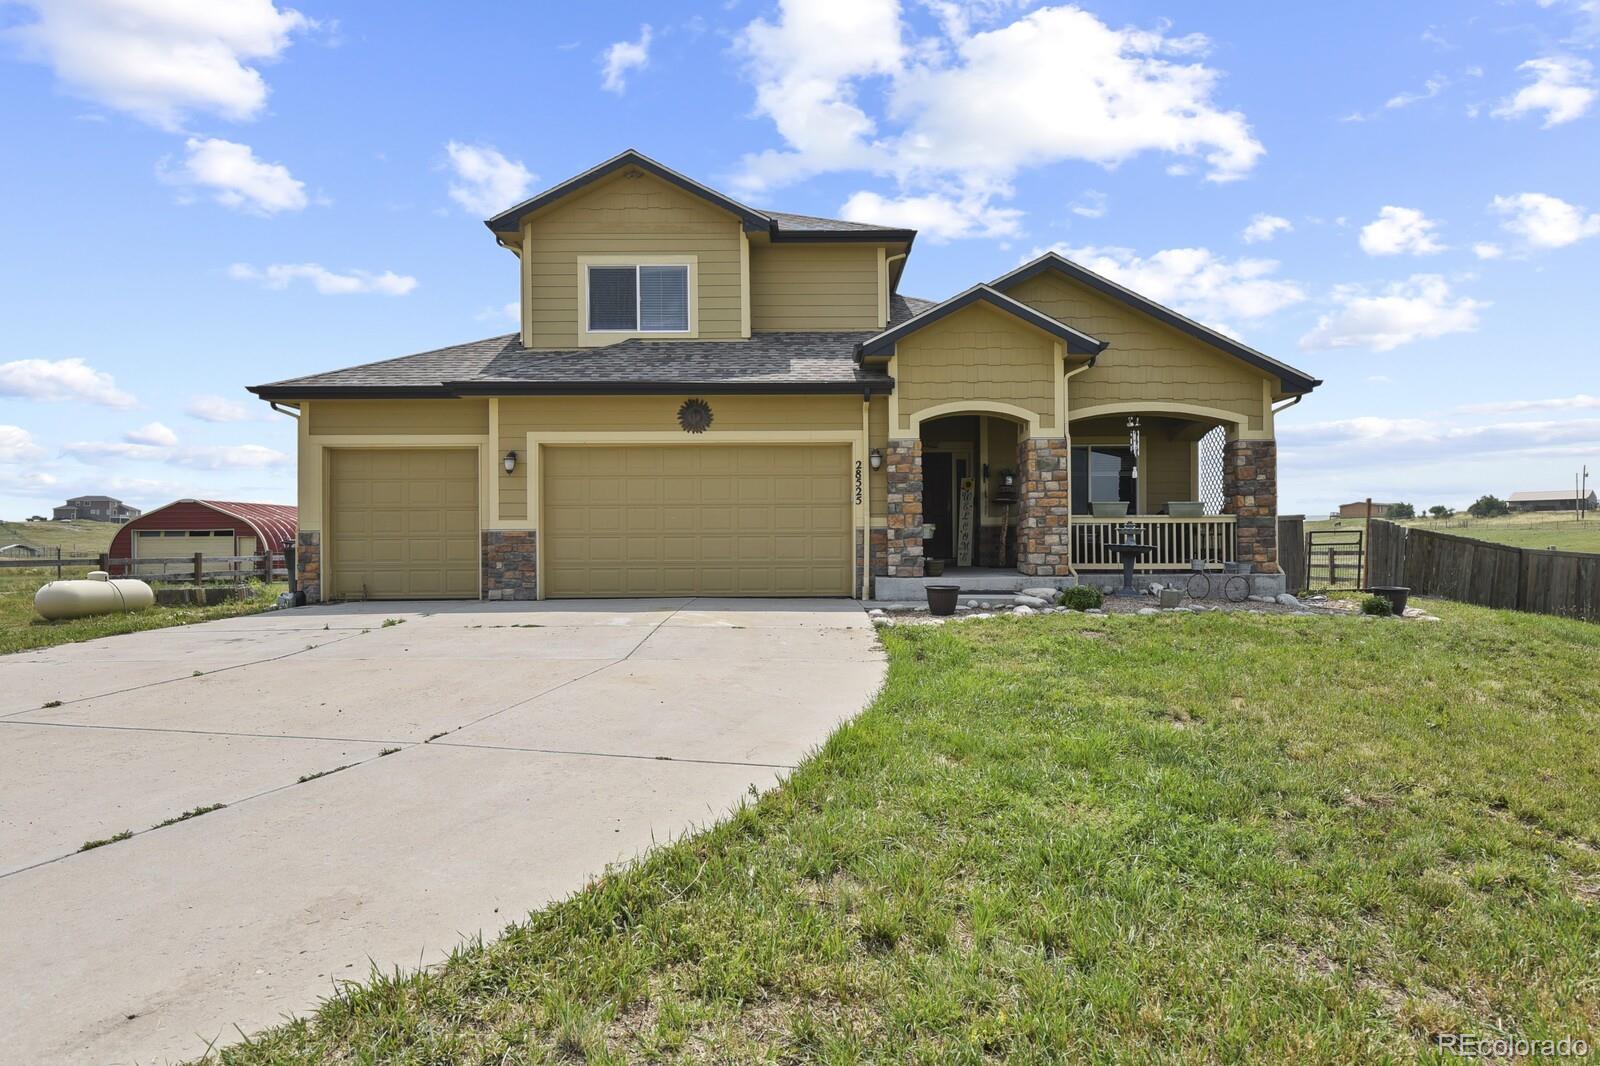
194	569
1292	552
1490	575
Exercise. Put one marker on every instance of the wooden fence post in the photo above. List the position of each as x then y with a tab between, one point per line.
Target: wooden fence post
58	564
105	561
199	568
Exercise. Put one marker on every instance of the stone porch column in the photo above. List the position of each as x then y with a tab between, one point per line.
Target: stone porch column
1044	506
902	465
1250	492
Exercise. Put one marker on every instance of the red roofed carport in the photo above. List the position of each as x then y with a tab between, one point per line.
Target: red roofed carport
211	527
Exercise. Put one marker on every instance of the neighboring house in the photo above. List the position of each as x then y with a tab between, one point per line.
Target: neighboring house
95	509
705	398
214	528
1553	500
1359	509
20	551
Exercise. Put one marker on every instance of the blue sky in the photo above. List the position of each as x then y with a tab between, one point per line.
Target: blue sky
199	197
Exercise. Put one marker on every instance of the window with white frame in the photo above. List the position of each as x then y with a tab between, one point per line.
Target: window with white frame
639	299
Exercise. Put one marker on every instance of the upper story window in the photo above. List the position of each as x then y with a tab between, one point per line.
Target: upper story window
639	299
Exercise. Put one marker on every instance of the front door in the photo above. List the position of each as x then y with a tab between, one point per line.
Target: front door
938	504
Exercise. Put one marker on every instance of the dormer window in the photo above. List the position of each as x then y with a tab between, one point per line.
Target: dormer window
639	298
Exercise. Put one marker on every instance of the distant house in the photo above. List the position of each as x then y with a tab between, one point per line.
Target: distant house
1553	500
95	509
20	551
1359	509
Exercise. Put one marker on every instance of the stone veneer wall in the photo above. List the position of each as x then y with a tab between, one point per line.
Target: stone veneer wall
1250	492
988	553
902	464
510	558
308	564
1044	479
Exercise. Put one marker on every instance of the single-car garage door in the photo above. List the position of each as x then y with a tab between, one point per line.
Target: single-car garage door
710	520
403	524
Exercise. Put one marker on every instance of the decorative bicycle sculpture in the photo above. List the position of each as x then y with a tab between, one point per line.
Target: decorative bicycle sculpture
1235	587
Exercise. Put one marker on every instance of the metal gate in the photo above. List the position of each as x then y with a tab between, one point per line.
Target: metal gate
1334	558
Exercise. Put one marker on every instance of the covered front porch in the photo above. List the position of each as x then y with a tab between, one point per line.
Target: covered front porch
981	499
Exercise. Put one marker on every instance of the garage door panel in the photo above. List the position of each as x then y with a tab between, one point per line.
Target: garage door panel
697	520
404	523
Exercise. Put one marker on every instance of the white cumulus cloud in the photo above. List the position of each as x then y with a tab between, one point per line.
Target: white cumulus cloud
152	433
1544	221
622	57
1203	285
217	409
201	457
1092	204
235	178
1418	308
1562	87
1487	250
937	217
1579	402
486	181
325	281
1264	227
162	59
960	114
17	446
1400	231
59	380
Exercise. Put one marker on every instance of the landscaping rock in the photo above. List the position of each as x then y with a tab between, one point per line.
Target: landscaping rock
1042	593
1095	610
963	607
1032	601
1288	601
1025	609
1149	610
1262	599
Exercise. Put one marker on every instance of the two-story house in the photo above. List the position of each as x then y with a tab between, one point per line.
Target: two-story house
705	398
95	509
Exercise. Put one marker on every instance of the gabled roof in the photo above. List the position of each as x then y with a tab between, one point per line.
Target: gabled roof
1292	380
1077	342
778	225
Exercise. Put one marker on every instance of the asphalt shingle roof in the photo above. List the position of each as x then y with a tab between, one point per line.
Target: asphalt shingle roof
813	224
789	359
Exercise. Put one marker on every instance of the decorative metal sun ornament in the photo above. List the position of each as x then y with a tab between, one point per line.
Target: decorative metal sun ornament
694	416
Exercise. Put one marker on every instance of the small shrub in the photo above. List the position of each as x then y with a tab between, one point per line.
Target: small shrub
1376	605
1081	597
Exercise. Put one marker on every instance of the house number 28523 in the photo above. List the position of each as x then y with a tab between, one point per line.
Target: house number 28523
858	481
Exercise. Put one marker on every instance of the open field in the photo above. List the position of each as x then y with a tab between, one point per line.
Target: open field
1226	837
21	628
1560	531
73	538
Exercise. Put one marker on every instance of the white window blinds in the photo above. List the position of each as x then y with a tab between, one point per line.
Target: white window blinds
642	299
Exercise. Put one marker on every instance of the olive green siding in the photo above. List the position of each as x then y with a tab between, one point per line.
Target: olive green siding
522	415
1147	361
398	417
976	353
813	286
625	216
878	437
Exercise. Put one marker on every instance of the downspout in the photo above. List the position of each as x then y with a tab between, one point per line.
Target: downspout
283	410
1289	403
1066	426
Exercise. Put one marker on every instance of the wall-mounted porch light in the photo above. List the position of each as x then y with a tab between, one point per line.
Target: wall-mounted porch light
510	462
876	459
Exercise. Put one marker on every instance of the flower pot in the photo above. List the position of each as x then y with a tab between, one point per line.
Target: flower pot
1186	508
1238	568
1109	508
1397	595
933	567
1170	597
942	599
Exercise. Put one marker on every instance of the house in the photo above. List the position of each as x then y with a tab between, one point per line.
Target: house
213	528
20	551
1359	509
1553	500
707	398
95	509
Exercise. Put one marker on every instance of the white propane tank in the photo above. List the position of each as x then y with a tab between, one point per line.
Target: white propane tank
98	595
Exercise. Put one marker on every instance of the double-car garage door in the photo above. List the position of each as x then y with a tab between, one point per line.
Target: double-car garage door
708	520
626	520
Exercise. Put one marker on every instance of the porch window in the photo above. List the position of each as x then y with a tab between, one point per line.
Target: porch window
1105	474
639	299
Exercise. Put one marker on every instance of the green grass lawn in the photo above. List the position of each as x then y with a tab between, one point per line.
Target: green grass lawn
21	628
1560	531
1224	837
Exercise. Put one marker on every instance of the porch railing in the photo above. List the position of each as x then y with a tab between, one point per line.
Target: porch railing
1177	541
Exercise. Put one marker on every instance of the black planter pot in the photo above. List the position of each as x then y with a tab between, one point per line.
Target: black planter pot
942	599
1397	595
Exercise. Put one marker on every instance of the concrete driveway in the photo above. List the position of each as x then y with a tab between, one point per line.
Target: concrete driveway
487	758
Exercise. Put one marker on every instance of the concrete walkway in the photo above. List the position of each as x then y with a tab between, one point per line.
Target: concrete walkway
488	758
